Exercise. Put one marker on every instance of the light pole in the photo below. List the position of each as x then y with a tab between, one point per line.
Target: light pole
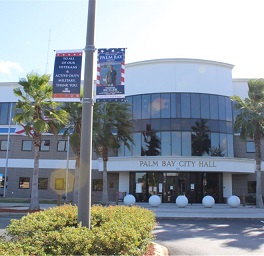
84	195
67	168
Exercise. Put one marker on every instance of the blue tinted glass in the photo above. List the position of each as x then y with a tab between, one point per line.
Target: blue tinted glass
137	147
213	107
173	106
222	107
4	113
137	107
228	105
155	105
176	144
165	124
145	106
185	105
165	144
230	145
175	124
223	143
165	105
205	110
186	144
195	106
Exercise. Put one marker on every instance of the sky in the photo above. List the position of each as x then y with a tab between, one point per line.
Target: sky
229	31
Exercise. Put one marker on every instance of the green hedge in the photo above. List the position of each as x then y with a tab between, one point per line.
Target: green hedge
115	230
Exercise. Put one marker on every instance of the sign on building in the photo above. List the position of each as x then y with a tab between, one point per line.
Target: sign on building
110	85
67	75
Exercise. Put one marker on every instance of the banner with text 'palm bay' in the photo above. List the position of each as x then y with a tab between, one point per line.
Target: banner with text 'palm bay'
110	85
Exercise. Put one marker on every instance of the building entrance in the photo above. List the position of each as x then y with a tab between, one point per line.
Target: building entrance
169	185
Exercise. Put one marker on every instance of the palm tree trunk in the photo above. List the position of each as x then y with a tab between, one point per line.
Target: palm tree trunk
259	199
105	192
34	201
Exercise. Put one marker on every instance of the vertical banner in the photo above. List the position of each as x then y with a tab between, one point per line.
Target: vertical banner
110	85
67	75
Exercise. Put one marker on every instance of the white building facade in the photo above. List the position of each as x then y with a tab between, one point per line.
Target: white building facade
184	141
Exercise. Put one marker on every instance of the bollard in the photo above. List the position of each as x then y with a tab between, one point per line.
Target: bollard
59	200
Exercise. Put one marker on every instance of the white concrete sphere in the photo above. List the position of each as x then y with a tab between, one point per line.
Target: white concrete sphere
154	200
208	201
233	201
129	200
181	201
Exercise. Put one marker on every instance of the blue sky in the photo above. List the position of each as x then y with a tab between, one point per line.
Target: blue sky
229	31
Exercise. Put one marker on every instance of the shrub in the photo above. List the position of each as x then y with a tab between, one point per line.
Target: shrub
115	230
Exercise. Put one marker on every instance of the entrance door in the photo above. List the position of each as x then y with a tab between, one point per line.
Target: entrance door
175	184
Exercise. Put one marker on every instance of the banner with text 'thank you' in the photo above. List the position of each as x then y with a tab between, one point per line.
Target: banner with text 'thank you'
67	75
110	85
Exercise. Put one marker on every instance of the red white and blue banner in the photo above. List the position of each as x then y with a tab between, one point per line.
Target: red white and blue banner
67	75
110	85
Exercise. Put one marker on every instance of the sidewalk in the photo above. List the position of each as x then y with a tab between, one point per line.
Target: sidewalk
170	210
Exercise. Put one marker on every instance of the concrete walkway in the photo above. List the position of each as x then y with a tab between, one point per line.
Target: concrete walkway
170	210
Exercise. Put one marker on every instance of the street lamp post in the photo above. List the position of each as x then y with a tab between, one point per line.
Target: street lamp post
84	195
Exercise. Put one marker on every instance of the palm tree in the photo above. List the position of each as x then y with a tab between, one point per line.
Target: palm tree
200	138
109	117
74	109
250	123
152	144
38	114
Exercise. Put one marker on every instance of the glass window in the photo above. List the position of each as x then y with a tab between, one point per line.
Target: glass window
45	145
173	106
2	181
222	107
165	124
166	144
43	183
4	113
195	106
215	142
176	144
223	143
205	106
228	105
230	145
155	106
137	107
97	185
145	106
62	145
24	182
165	105
60	184
3	145
137	146
26	145
187	144
175	124
150	143
121	149
250	145
155	124
127	151
252	186
185	105
214	107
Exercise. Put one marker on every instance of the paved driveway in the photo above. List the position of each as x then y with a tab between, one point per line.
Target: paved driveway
211	237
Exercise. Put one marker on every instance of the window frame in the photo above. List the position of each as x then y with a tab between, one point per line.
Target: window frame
21	182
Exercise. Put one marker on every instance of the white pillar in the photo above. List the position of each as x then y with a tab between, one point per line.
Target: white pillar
227	185
124	182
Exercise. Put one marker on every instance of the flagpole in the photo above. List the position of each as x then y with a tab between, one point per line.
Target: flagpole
8	143
84	195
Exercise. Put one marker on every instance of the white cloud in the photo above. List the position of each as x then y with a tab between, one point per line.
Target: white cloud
6	67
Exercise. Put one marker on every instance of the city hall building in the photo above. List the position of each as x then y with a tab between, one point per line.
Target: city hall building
184	141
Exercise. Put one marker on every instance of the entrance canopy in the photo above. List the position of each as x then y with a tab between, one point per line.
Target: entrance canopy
179	164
